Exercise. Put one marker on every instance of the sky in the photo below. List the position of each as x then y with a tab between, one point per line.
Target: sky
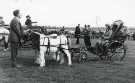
71	12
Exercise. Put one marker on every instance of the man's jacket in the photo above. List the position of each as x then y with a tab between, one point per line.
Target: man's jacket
16	31
77	31
28	22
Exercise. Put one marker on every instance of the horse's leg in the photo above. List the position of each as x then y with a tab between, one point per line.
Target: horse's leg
60	57
6	40
68	56
57	56
5	43
40	58
36	55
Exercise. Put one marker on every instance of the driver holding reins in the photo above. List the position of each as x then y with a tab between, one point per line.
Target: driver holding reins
28	22
106	37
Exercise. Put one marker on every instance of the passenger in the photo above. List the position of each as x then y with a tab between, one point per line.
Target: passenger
108	32
104	40
107	35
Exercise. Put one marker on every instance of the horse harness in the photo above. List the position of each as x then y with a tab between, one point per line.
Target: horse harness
49	45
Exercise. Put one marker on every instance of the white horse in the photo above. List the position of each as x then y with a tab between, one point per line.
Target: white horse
4	34
51	44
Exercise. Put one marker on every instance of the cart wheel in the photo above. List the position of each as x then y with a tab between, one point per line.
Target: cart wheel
117	53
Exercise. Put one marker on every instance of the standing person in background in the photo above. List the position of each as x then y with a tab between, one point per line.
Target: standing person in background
89	28
16	34
62	29
77	33
90	31
87	37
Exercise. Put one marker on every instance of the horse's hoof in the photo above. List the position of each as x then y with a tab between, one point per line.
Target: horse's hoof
70	65
40	68
3	54
61	63
36	62
5	50
42	65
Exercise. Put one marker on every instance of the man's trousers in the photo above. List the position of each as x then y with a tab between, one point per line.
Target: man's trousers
14	52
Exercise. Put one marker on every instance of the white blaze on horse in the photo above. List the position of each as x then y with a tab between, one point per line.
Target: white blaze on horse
52	44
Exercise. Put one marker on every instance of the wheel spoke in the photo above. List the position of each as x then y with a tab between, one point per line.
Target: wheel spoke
117	53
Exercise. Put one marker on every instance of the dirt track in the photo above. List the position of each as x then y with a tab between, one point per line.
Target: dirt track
93	71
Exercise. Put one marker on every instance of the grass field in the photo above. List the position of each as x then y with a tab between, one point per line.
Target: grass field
93	71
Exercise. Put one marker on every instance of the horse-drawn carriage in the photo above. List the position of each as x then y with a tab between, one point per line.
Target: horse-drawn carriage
47	44
113	47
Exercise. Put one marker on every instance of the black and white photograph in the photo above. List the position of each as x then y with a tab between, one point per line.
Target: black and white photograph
67	41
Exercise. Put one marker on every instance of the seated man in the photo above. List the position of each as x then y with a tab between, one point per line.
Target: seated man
103	40
106	37
114	34
28	22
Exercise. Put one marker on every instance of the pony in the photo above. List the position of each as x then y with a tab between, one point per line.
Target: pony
50	46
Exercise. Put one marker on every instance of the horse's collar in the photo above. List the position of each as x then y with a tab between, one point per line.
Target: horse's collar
54	37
